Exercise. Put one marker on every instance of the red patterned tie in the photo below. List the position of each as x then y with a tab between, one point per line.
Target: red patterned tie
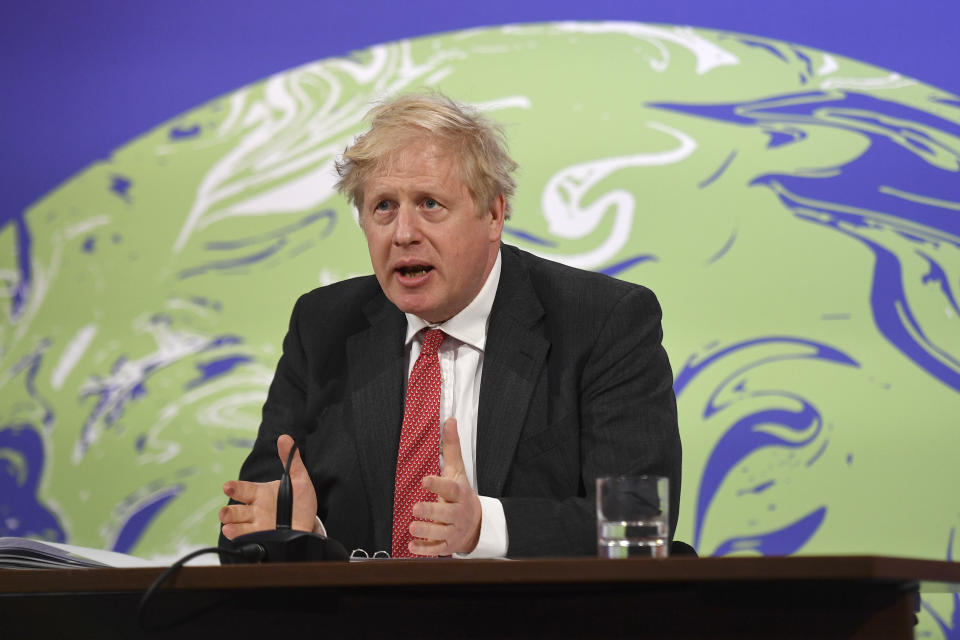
419	453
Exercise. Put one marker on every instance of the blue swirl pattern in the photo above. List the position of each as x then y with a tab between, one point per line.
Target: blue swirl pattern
786	421
900	198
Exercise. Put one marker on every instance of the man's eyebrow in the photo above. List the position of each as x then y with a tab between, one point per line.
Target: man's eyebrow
379	193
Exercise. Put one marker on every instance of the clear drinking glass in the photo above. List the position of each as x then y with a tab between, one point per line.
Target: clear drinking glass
632	516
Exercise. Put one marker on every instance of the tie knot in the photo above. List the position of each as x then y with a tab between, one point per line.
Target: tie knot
431	341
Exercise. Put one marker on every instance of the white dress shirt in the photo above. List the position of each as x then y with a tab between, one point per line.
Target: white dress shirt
461	368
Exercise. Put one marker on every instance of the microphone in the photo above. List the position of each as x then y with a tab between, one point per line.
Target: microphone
284	544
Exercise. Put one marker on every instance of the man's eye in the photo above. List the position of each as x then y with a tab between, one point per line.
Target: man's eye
430	203
383	205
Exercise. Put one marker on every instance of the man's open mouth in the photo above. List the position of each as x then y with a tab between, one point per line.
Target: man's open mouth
413	271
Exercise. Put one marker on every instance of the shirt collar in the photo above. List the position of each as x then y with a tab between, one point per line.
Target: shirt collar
470	325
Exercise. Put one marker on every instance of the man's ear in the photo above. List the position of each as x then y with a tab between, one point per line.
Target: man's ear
498	209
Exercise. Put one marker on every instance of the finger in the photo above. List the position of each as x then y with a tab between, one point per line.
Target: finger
236	514
446	488
284	444
441	512
429	547
429	530
241	491
231	531
452	457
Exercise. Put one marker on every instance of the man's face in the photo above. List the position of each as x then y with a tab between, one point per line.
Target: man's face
431	250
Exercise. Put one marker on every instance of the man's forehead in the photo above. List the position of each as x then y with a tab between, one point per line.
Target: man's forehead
422	155
420	167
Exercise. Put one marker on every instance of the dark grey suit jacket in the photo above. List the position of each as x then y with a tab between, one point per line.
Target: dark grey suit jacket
575	385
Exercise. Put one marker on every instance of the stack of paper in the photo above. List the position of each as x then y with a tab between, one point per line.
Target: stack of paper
23	553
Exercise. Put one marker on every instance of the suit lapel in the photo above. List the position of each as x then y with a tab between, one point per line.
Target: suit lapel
375	372
514	356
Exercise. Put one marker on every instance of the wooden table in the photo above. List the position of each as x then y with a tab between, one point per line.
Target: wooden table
792	597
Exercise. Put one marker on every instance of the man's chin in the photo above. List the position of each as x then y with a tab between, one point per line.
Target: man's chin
417	304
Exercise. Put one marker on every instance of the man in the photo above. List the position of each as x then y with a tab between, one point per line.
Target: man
543	377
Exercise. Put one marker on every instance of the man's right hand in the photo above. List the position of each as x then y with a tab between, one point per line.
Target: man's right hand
258	511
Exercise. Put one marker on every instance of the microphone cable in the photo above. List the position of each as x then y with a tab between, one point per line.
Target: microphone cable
249	552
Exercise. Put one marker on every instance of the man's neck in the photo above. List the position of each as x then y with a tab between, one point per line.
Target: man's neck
470	325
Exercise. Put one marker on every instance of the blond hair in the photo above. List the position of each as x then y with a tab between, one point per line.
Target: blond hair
477	142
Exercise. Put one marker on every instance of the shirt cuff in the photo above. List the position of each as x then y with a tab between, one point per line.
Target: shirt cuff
318	527
493	531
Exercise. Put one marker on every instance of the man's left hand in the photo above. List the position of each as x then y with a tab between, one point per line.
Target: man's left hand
452	524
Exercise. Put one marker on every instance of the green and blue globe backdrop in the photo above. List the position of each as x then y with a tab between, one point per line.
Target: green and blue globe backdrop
796	212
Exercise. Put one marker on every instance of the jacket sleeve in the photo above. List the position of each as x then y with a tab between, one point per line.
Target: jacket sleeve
627	426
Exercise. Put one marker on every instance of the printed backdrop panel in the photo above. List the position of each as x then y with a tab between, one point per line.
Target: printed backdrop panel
795	211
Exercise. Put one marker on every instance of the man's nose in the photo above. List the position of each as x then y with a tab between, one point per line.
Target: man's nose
407	228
